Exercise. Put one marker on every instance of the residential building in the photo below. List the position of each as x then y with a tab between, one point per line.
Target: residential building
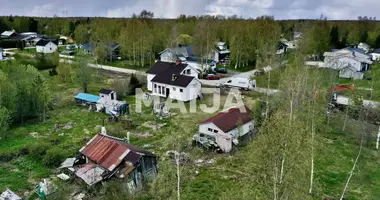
105	157
282	48
9	34
350	62
183	53
46	46
225	128
113	49
174	80
220	52
1	53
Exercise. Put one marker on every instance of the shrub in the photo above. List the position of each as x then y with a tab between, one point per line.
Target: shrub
54	157
38	150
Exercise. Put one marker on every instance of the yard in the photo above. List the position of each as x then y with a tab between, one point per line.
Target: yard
33	150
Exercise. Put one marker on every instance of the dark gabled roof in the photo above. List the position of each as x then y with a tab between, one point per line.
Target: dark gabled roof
160	67
167	78
109	152
229	120
92	46
105	91
44	42
164	74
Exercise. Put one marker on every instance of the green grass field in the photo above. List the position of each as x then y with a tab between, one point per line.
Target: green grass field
22	167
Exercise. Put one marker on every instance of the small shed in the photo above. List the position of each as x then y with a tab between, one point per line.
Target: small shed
85	99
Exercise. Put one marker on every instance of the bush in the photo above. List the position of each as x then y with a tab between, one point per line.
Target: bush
38	150
54	157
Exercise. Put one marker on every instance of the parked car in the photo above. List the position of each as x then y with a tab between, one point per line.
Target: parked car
259	72
212	77
221	70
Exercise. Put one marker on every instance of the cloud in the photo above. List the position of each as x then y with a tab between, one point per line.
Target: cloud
281	9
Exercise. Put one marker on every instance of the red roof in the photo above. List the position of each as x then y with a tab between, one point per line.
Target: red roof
229	120
109	152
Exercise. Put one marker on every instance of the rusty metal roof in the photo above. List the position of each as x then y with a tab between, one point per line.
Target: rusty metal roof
109	152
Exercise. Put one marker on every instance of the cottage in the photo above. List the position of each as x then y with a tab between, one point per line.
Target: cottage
282	48
225	128
106	102
375	55
183	53
9	34
350	62
104	157
46	46
113	49
174	80
220	52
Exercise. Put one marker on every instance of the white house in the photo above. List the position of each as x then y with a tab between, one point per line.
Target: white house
174	80
375	55
282	48
46	46
173	54
350	63
226	127
1	53
220	52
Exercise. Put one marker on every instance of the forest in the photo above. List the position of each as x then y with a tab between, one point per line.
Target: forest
304	148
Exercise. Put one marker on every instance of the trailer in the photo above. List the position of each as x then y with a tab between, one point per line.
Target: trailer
240	83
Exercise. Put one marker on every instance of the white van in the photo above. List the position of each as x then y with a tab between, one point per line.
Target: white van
240	83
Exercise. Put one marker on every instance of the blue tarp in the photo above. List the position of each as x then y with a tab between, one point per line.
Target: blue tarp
87	97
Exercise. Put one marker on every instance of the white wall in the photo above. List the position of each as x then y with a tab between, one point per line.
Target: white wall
149	78
48	48
189	93
245	129
193	72
203	128
107	97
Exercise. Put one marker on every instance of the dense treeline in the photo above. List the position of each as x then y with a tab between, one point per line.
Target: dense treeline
23	94
142	37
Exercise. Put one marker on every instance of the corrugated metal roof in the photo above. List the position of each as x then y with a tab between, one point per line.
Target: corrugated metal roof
109	152
87	97
227	121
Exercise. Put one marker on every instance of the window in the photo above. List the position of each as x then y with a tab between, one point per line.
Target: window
163	90
173	88
181	90
155	88
50	48
159	89
216	131
229	81
209	129
188	71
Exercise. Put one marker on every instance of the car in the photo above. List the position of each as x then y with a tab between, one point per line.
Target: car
259	72
221	70
212	77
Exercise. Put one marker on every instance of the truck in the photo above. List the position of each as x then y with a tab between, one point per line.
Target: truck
240	83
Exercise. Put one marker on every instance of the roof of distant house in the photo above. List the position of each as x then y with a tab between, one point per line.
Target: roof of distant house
9	195
87	97
184	51
229	120
165	71
44	42
8	33
105	91
109	152
91	46
356	50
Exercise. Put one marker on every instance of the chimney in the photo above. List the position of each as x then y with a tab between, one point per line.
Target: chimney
178	62
173	77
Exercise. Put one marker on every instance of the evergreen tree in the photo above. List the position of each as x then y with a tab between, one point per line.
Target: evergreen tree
334	37
377	42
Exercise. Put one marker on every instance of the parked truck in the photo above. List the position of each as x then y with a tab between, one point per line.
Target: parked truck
240	83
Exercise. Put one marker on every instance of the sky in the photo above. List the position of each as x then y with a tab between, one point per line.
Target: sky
280	9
